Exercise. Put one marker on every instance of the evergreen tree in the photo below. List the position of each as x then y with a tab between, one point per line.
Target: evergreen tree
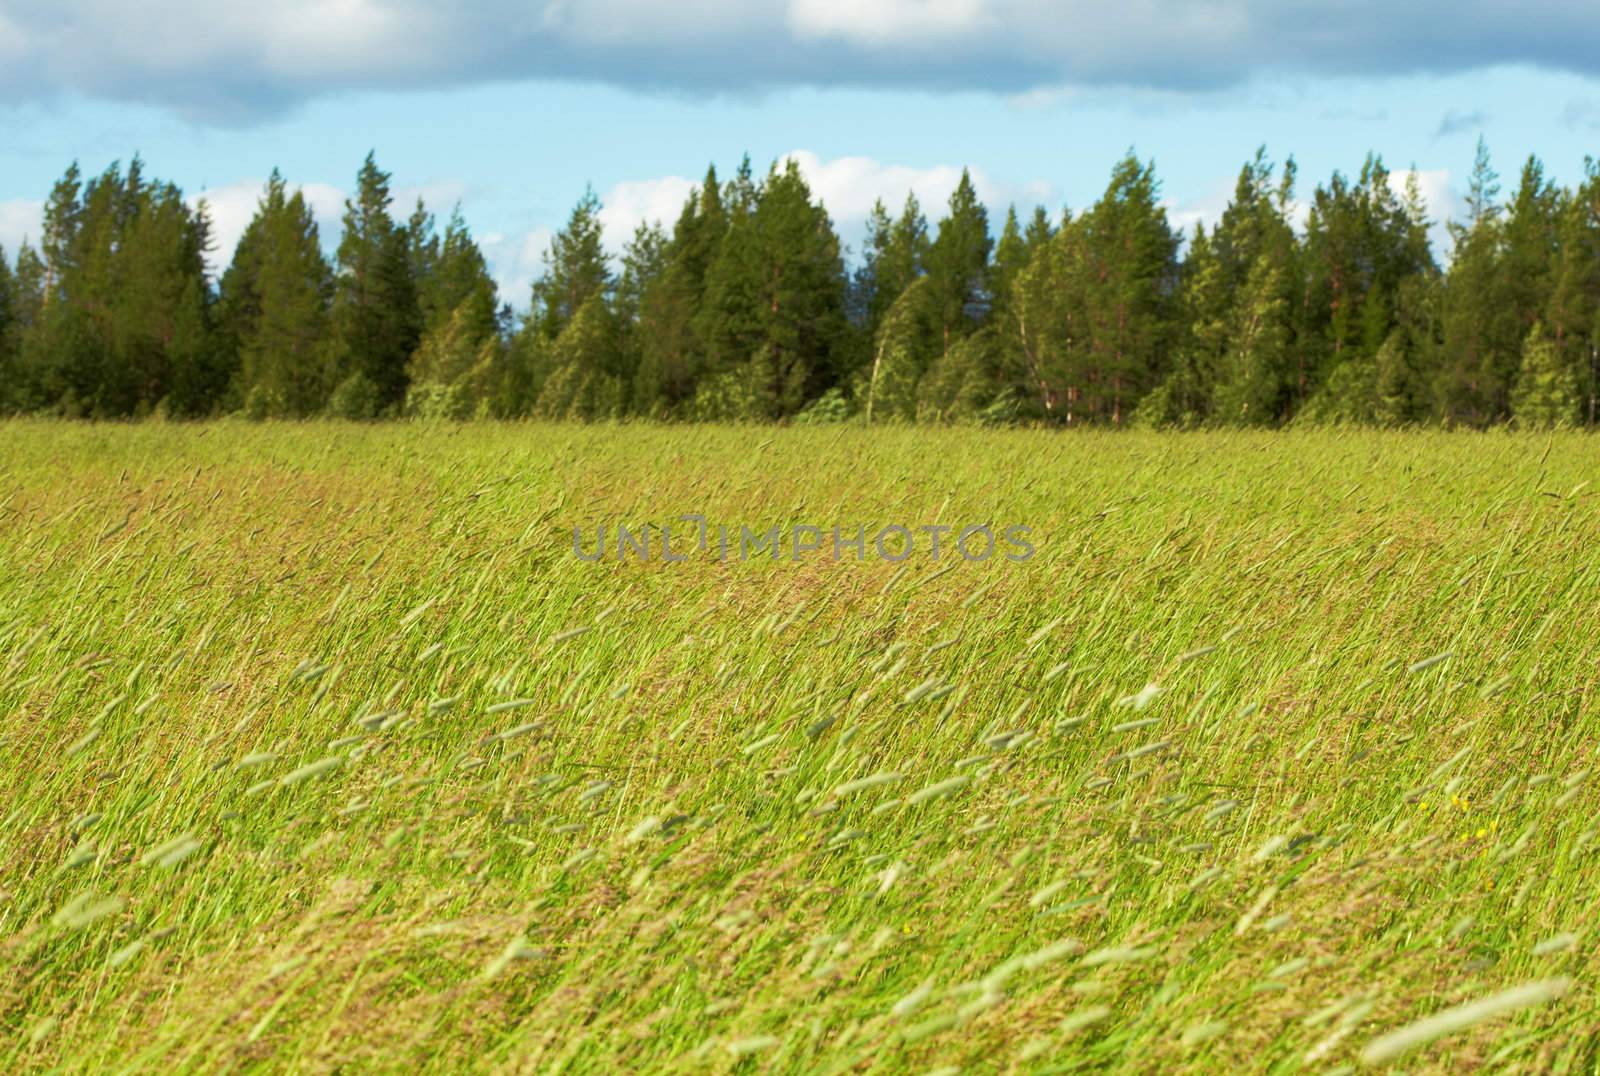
1010	258
458	369
26	306
899	258
1250	378
1128	281
773	318
1472	304
889	386
1574	310
671	356
580	386
1362	241
10	343
375	323
1039	231
1051	327
1186	395
273	308
958	266
124	321
576	269
1546	392
644	261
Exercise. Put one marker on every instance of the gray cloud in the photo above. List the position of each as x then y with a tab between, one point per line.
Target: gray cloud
1582	113
1454	123
237	62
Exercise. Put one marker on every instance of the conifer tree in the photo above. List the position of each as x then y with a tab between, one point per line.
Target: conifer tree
576	268
671	356
888	391
1546	392
773	317
1472	301
375	323
273	308
958	265
1574	309
1128	281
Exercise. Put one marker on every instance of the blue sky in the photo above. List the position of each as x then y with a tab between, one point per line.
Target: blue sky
512	108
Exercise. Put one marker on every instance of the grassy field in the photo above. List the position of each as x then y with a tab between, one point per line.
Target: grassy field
322	750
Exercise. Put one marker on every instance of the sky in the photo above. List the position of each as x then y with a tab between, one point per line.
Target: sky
511	108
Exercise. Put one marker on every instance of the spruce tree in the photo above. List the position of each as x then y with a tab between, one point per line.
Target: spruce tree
576	268
458	369
1128	282
671	356
1574	308
375	323
273	308
888	388
1546	392
958	266
10	336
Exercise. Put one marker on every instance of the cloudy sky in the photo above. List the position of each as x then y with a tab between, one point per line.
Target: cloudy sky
512	106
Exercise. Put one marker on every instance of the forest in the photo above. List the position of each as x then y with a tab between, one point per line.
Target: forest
750	307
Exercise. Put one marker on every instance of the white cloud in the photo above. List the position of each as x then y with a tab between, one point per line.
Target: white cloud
886	22
646	201
516	261
233	205
20	219
13	42
1443	203
439	196
846	187
239	61
1206	209
1434	185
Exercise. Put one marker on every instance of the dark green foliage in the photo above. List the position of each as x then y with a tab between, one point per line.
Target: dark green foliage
273	308
117	319
773	317
745	309
376	321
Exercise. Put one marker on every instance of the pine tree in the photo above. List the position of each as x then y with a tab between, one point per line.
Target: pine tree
1186	395
580	386
1128	282
1051	327
863	307
772	321
671	355
273	308
1531	239
458	369
1250	378
375	323
124	315
1574	309
1473	296
576	268
644	262
10	336
958	266
1546	392
888	389
1362	241
1010	258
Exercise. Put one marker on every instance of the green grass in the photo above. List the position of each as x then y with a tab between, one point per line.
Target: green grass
795	817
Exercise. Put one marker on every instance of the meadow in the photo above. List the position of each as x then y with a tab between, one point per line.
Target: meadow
321	750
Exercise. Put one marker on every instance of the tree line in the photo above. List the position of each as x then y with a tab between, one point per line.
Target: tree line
746	309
